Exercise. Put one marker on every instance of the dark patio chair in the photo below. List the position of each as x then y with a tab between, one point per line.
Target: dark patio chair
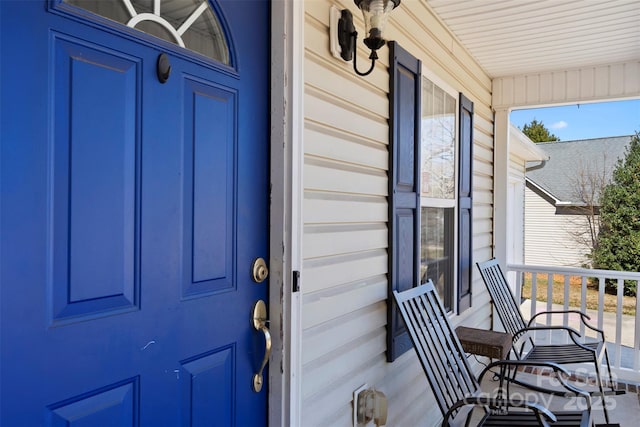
456	389
578	350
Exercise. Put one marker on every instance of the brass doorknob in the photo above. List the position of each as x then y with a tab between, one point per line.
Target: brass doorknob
259	271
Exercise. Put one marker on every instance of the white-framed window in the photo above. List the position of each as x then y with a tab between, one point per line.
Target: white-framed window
438	189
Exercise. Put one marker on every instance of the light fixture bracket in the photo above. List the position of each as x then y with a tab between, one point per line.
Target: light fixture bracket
346	32
348	36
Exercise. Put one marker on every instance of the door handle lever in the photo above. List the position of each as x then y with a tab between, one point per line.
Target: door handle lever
260	324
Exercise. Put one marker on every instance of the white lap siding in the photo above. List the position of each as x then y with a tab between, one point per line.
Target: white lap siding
344	281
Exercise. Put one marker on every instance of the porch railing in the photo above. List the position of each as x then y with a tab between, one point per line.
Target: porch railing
622	329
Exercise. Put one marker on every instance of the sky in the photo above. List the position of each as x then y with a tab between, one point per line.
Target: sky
585	121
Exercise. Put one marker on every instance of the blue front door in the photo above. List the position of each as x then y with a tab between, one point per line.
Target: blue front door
132	210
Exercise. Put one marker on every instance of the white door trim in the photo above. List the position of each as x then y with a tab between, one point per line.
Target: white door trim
287	158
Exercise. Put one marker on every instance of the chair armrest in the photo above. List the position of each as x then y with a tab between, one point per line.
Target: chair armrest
583	318
542	413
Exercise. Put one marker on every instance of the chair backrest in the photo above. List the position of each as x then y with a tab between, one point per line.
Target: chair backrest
503	299
438	348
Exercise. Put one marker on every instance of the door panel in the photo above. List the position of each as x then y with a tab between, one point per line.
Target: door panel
209	210
94	217
205	379
131	213
117	405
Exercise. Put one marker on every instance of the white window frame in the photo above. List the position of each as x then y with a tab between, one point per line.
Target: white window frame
430	202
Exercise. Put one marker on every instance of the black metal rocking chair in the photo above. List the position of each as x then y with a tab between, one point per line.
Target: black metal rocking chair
525	348
454	385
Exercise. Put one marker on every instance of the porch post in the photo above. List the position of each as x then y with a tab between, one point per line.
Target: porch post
500	183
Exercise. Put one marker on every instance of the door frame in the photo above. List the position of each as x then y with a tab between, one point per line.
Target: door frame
286	200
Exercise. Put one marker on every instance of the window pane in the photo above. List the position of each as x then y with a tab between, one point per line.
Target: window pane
438	142
187	23
436	250
205	36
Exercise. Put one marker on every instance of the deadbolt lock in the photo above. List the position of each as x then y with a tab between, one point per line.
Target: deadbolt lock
259	271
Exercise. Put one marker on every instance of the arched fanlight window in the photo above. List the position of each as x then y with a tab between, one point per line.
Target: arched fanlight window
191	24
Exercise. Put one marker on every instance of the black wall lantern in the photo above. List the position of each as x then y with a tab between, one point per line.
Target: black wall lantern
375	14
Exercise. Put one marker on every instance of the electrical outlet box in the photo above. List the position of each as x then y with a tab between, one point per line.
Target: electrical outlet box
356	402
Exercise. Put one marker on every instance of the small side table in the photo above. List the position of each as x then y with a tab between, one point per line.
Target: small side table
482	342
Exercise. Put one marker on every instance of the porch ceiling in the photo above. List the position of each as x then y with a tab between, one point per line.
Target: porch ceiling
514	37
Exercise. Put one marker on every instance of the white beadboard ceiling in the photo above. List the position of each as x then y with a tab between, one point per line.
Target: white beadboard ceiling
514	37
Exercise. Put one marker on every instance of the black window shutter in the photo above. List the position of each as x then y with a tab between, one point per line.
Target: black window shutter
404	191
465	204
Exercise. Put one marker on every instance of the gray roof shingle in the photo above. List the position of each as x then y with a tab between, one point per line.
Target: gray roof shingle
568	160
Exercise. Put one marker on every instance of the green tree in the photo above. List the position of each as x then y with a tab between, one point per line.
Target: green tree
618	246
537	132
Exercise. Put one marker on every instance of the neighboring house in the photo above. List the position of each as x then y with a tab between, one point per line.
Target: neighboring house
562	197
146	175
